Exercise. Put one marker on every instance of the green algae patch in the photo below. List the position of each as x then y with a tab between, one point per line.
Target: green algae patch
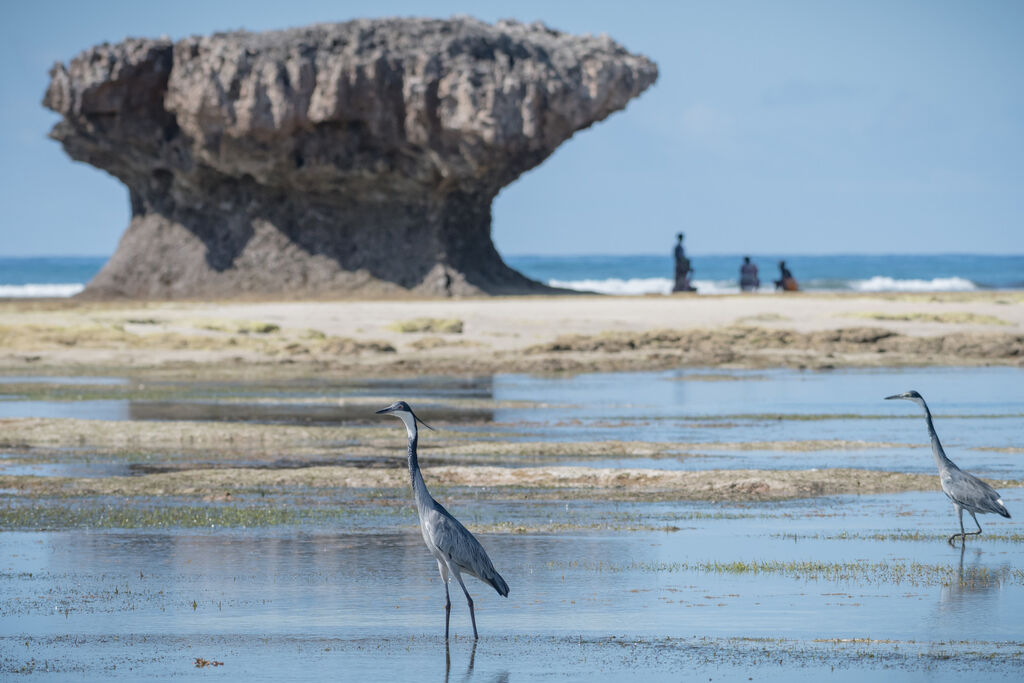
266	339
428	343
762	318
861	571
903	535
818	417
610	524
806	446
756	347
577	482
178	443
62	516
950	318
42	391
99	335
434	325
238	326
136	434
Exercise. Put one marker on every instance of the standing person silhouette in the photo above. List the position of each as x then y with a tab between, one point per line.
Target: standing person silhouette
749	281
683	270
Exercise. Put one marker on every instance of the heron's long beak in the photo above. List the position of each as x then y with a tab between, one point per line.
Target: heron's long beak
887	398
383	411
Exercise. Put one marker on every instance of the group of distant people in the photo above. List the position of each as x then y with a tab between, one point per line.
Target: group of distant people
749	280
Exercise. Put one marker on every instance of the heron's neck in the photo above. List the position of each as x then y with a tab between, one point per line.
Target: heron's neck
940	455
419	487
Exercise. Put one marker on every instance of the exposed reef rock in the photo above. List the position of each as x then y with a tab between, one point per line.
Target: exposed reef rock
340	158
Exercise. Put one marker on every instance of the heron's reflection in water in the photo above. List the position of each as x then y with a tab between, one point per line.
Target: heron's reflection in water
973	588
500	677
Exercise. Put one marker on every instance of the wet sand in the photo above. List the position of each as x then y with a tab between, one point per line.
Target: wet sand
583	482
527	334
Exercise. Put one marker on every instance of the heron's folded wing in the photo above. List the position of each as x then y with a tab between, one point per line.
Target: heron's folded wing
455	541
971	492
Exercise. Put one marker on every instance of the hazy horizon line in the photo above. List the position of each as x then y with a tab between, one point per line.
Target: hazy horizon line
667	253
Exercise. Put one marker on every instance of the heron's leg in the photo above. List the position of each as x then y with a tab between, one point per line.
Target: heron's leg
469	600
962	534
978	532
447	598
447	611
472	657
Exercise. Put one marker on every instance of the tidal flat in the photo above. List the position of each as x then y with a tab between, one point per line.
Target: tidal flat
550	334
751	524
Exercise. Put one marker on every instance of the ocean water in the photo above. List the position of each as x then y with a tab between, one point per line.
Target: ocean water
642	274
719	274
55	276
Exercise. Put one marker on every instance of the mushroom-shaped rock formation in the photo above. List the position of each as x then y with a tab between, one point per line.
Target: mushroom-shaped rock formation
359	157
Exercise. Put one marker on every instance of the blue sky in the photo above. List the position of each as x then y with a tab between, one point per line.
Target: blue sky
775	127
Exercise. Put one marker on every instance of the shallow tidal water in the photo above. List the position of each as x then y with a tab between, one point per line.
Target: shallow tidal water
312	602
845	587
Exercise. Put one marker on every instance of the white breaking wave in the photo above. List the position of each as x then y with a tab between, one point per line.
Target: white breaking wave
614	285
632	286
716	286
644	285
881	283
40	291
663	285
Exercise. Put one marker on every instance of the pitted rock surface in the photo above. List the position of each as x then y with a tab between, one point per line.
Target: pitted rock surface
352	158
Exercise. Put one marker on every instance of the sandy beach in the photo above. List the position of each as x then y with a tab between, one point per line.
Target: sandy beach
524	334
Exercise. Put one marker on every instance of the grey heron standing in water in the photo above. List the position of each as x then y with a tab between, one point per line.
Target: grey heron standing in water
455	549
965	490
